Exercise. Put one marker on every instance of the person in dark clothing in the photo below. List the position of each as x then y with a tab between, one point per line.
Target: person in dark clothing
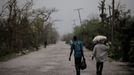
77	47
45	44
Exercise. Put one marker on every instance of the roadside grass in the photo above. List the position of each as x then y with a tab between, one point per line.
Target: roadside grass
12	55
8	57
15	55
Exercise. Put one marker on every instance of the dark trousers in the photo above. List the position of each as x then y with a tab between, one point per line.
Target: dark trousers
77	65
99	67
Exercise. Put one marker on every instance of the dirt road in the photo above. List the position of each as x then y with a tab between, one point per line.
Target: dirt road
53	60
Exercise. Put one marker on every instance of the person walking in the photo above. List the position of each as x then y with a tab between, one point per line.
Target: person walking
100	52
77	47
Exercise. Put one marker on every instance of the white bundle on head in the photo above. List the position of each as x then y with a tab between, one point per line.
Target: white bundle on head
99	38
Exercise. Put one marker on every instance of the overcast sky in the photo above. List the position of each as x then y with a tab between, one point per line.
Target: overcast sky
66	13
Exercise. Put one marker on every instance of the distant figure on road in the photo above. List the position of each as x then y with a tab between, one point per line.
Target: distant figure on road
77	47
45	44
100	51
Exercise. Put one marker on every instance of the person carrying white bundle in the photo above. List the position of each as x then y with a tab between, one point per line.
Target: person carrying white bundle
100	53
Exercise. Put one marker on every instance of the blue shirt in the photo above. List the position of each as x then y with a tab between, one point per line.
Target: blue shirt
77	47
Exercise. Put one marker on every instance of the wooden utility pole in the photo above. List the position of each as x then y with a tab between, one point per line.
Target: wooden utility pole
78	10
113	18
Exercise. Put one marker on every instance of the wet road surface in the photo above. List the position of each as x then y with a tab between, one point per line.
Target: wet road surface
53	60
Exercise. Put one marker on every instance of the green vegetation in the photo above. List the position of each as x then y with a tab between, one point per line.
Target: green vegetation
88	30
118	27
123	40
67	38
23	29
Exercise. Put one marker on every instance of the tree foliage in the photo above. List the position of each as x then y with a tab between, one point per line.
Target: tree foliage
122	35
22	28
67	38
88	30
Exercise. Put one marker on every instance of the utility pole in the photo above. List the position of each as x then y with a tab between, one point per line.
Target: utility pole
78	10
113	18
